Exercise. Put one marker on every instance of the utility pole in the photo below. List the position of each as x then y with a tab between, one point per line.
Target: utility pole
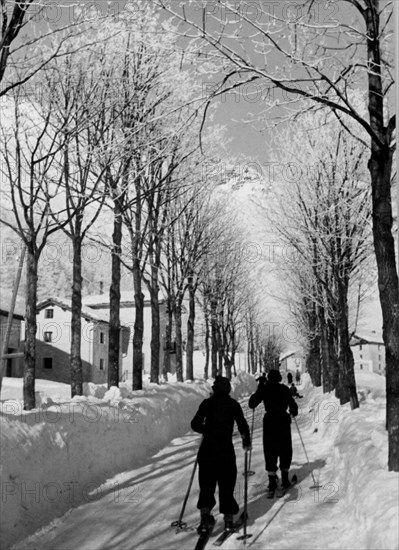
4	352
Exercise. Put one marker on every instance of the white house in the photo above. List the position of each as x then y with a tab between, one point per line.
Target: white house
53	342
291	361
99	304
368	351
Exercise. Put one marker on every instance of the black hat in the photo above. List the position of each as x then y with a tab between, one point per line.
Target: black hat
274	376
221	385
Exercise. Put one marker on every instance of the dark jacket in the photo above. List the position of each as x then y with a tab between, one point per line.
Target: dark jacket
276	398
215	420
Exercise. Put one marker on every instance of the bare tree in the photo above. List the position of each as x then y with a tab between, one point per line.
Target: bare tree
327	222
32	183
224	292
31	37
79	90
319	61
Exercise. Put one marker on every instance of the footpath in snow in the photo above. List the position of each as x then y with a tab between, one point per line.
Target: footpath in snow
355	507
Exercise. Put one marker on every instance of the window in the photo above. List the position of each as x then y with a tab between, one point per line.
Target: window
379	347
379	366
361	356
48	336
47	362
360	347
101	338
101	364
49	313
361	366
379	358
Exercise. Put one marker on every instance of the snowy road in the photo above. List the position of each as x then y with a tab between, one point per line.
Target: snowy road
134	509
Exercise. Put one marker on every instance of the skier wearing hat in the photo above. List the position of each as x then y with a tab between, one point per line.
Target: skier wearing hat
277	443
216	457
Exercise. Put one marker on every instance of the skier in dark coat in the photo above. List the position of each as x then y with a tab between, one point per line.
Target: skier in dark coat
294	391
216	457
277	442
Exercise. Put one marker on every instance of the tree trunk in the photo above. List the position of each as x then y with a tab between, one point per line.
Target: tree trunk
30	331
214	358
345	357
325	356
313	361
220	350
76	320
227	366
249	355
138	328
179	344
333	363
115	299
155	325
252	353
190	332
380	167
207	335
334	356
233	352
168	341
155	337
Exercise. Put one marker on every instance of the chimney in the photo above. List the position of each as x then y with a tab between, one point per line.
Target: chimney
101	287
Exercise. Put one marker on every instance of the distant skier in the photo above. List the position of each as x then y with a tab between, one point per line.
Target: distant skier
289	377
216	457
297	376
294	391
277	442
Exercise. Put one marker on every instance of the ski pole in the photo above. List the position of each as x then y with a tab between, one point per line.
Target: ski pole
179	523
315	484
251	472
246	535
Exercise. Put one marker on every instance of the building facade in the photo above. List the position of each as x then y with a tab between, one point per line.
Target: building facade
53	343
369	352
291	361
99	304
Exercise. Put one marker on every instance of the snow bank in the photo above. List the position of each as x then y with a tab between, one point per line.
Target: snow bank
58	455
357	467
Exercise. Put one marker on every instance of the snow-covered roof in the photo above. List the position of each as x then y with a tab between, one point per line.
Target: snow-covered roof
367	337
127	298
66	303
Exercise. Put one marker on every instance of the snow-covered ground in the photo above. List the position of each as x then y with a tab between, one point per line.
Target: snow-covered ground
120	467
57	455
